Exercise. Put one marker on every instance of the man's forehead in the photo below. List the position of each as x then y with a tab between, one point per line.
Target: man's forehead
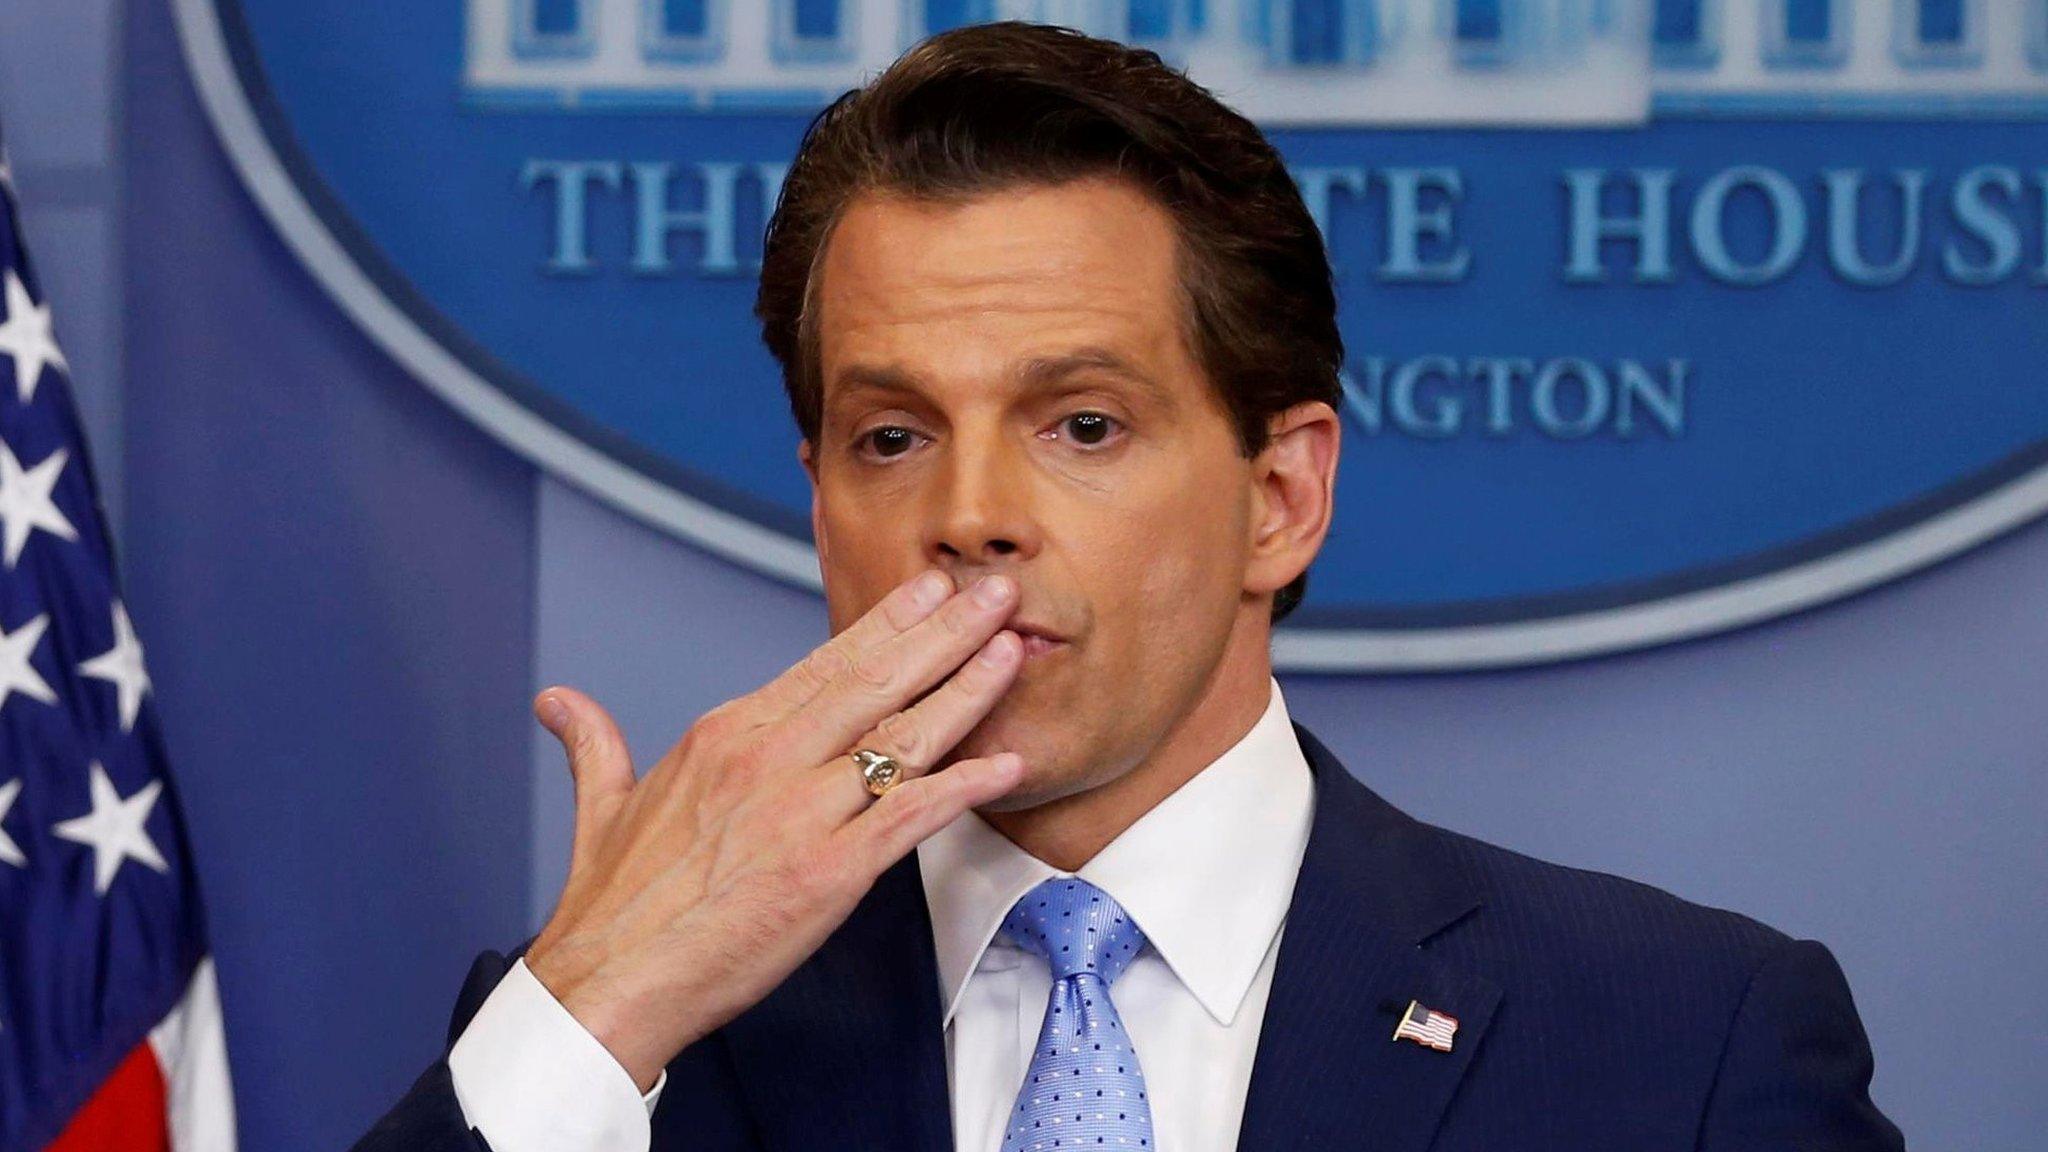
916	251
1035	283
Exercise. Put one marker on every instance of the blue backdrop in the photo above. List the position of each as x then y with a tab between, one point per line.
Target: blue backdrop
1647	333
348	594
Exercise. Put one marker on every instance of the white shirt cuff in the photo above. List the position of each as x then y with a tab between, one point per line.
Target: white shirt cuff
533	1079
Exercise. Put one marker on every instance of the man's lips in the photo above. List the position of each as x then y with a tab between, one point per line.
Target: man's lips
1038	639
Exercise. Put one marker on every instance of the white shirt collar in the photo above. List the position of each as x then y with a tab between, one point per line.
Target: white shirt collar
1207	873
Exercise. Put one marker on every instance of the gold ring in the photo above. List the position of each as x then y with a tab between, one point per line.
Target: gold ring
880	773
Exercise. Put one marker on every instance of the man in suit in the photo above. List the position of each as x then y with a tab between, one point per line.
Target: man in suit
1029	854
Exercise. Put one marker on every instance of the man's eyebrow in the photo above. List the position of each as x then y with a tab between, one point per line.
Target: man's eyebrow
1041	370
857	378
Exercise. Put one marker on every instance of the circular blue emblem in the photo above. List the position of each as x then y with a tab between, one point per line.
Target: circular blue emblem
1659	326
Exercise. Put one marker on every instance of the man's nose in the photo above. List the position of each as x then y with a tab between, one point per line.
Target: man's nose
982	514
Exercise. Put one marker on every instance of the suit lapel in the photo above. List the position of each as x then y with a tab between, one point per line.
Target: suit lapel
850	1051
1374	886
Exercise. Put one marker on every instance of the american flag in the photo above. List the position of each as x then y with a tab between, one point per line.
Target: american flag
110	1027
1427	1027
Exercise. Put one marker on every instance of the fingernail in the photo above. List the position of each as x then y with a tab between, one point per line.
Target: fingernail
991	591
998	652
552	713
928	589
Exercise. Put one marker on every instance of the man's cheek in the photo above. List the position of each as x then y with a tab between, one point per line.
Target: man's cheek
868	546
1166	580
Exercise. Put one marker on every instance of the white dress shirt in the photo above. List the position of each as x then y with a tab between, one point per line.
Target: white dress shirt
1208	874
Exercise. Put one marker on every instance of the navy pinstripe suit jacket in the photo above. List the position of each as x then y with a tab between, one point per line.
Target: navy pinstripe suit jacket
1595	1015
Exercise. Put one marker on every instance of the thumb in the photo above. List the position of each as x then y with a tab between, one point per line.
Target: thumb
598	761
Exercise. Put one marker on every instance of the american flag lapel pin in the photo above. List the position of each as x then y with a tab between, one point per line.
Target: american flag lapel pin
1427	1027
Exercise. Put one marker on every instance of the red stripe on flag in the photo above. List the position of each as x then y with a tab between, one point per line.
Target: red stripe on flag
127	1114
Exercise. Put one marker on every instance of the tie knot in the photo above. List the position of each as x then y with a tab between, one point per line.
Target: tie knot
1076	927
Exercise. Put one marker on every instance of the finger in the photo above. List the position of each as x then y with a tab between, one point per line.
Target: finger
902	818
599	762
897	671
919	737
905	606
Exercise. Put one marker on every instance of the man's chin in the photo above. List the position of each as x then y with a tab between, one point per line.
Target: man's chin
1049	776
1016	724
1055	740
1043	761
1043	783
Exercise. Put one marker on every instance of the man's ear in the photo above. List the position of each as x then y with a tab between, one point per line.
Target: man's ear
1294	484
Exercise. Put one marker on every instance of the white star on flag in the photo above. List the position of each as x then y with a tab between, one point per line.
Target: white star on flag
16	673
25	503
113	829
113	1035
10	852
25	334
122	667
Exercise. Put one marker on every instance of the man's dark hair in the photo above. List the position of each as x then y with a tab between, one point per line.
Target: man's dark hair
993	106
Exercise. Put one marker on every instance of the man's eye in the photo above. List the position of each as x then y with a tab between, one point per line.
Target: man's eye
890	441
1089	427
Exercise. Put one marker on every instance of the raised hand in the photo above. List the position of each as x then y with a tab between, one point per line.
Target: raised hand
694	891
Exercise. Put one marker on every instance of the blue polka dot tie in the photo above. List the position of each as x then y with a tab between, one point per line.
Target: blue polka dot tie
1083	1089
